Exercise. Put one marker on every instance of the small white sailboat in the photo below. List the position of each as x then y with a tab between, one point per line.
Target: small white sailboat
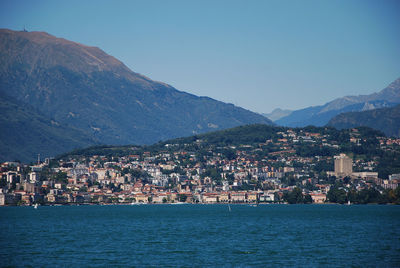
35	206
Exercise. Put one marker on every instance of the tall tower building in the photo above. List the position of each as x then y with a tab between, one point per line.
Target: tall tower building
343	165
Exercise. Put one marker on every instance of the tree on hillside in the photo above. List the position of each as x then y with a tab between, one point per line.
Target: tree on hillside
294	197
337	195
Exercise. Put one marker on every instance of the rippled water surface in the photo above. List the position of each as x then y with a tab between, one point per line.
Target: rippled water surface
200	235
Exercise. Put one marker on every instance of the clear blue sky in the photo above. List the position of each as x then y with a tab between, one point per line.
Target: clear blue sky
256	54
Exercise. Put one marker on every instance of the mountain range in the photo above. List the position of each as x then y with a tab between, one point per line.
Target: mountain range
320	115
92	98
57	95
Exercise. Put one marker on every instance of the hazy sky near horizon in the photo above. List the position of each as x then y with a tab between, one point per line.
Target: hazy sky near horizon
259	55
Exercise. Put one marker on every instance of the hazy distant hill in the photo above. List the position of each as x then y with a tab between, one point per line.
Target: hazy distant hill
320	115
83	87
25	133
277	114
386	119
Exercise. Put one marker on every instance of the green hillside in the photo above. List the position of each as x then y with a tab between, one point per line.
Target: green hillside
25	133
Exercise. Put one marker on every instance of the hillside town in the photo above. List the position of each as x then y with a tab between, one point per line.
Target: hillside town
274	171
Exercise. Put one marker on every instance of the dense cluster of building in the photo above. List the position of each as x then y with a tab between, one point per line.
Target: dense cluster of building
176	174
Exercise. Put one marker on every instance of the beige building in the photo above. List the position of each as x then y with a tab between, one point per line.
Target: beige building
252	197
210	198
343	165
51	198
141	198
366	175
238	196
318	198
224	197
2	199
160	198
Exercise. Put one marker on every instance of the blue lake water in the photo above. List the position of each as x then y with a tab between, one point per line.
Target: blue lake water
200	235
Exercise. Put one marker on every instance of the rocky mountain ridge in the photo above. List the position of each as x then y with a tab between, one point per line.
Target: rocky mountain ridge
85	88
385	119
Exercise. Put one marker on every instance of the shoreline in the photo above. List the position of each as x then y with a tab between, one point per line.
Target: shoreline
183	203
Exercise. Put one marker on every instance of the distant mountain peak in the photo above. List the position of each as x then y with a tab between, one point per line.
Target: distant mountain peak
393	90
51	51
320	115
